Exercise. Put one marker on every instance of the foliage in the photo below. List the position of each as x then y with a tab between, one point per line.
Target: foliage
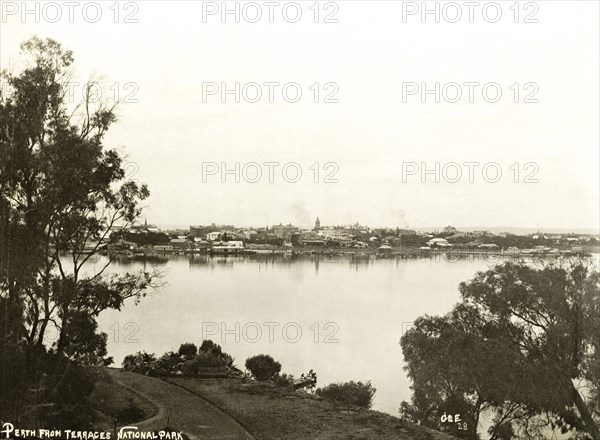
61	194
68	384
187	361
263	367
168	363
513	348
13	368
349	394
208	346
284	380
141	362
307	380
144	238
202	360
188	349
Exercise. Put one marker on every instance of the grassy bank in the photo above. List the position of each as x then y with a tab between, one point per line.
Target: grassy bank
112	401
271	413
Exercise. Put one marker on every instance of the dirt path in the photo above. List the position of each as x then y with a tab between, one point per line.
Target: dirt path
181	410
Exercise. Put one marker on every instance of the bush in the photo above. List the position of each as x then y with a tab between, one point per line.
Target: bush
188	350
284	380
308	380
168	363
141	362
349	393
70	383
202	360
210	347
263	367
185	361
208	360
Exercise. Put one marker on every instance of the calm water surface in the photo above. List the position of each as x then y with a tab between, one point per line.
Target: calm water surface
351	313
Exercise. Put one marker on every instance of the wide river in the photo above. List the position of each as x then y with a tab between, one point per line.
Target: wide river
341	317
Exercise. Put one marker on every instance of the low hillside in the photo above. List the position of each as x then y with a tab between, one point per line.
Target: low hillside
270	413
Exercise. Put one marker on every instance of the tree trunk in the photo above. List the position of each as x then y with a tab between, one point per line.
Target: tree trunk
588	420
62	338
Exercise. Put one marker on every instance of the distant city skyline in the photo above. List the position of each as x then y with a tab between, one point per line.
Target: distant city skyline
492	229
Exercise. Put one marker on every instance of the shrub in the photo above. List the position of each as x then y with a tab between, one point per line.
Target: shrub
349	393
168	363
141	362
263	367
284	380
308	380
202	360
208	360
70	383
188	350
210	347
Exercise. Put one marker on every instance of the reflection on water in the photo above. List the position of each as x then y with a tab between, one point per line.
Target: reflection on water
341	316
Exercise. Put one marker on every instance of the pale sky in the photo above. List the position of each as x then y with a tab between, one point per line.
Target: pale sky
370	133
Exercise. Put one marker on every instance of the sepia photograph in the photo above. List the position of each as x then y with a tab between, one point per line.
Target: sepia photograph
299	220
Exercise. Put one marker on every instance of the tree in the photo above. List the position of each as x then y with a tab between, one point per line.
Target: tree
515	346
263	367
61	195
188	350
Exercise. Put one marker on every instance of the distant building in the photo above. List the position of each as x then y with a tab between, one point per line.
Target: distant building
163	248
249	235
438	242
201	231
284	232
310	239
450	230
213	236
317	225
145	227
384	250
179	243
489	246
150	228
342	236
228	248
